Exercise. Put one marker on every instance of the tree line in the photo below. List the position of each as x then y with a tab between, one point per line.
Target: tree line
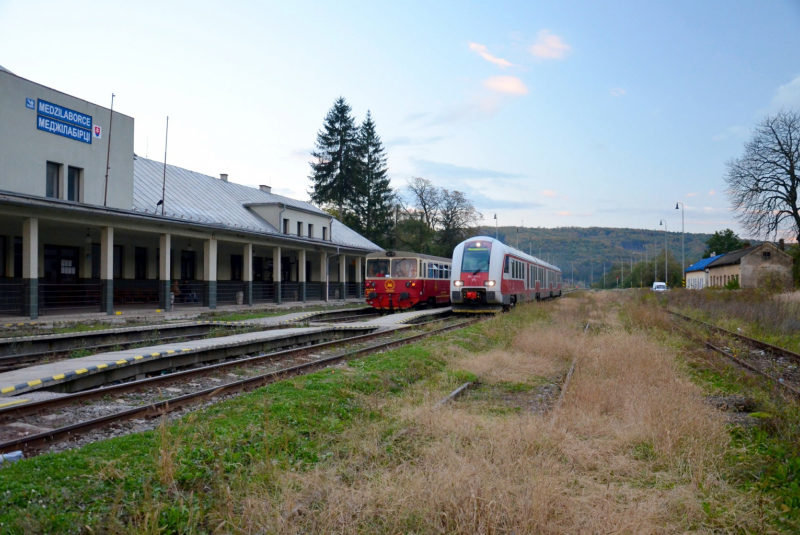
349	180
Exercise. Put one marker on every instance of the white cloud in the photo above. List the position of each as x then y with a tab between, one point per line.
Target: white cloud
618	92
510	85
691	194
483	52
712	192
563	214
549	46
787	96
549	193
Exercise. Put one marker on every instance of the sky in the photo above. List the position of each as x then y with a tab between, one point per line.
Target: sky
545	113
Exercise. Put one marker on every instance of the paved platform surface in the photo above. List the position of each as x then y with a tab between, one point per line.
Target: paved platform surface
150	314
400	318
43	375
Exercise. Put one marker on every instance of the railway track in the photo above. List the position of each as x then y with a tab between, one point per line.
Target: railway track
777	364
34	444
21	352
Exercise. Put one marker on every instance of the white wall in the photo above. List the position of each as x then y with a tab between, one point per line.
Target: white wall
25	150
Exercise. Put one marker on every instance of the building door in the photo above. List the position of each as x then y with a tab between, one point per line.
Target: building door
188	264
60	264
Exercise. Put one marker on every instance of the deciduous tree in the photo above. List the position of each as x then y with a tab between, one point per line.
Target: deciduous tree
763	183
722	242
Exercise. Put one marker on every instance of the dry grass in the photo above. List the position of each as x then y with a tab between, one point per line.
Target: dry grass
632	450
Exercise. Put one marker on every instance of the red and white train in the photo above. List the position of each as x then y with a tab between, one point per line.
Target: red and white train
398	280
489	276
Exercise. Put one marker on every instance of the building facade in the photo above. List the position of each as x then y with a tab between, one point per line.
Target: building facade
750	267
92	227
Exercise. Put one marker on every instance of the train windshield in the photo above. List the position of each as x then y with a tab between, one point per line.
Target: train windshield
404	268
378	267
476	257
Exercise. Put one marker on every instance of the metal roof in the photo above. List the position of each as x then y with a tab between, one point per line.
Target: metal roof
199	198
701	265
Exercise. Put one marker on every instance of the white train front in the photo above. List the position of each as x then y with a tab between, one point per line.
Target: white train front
489	276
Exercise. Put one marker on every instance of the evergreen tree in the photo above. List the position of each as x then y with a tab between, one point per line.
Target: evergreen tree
373	205
335	174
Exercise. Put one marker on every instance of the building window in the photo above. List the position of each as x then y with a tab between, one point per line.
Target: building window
53	172
188	265
236	267
324	233
767	255
140	263
299	228
118	262
286	226
74	184
310	230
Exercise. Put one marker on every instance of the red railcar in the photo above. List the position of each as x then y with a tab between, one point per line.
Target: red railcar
398	280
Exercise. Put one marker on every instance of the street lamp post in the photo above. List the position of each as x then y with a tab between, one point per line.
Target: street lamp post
495	226
666	270
683	259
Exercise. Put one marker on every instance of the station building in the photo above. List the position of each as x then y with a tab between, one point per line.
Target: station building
751	267
87	227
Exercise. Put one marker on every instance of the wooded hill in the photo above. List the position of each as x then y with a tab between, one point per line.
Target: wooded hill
586	249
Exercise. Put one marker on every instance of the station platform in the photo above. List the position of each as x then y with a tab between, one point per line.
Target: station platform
135	313
401	318
49	375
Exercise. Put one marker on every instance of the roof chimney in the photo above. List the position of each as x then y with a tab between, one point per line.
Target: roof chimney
268	189
223	177
781	245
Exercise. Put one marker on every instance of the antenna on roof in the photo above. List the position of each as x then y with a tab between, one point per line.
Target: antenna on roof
108	151
164	184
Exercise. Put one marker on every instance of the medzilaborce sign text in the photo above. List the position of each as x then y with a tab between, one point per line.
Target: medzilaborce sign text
63	121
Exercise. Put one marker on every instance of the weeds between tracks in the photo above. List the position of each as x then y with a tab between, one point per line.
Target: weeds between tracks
360	448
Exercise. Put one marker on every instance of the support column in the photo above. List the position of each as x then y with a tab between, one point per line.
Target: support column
164	272
359	281
342	276
107	270
30	267
247	273
210	272
86	262
301	273
276	273
323	275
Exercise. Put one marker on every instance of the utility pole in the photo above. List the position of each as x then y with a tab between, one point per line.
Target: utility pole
666	270
683	235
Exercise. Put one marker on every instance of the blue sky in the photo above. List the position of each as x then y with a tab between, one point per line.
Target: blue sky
551	113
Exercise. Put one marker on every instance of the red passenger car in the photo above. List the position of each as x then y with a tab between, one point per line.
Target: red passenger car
400	280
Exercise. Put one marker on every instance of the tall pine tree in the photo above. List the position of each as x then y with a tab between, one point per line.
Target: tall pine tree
373	205
335	174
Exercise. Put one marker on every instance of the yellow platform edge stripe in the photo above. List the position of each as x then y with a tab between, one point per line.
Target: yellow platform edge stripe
10	403
7	389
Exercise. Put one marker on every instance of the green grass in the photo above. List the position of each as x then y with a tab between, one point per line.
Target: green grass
288	425
764	457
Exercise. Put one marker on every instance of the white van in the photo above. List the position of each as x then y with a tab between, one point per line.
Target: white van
659	286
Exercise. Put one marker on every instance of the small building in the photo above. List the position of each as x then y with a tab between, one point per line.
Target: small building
751	267
696	276
88	227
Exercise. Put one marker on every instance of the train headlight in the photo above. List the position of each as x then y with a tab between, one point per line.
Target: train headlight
488	283
458	283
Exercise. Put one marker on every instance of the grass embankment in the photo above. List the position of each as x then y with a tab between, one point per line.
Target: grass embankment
362	448
772	318
765	453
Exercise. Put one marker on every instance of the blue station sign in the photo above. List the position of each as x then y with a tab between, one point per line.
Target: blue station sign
63	121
